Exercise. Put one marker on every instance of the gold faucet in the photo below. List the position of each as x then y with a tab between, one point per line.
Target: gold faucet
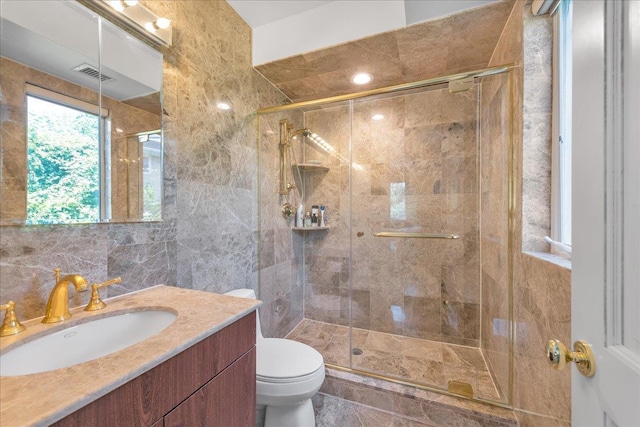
96	302
10	325
58	305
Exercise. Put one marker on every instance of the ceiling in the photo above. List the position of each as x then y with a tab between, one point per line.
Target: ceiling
260	12
284	28
454	44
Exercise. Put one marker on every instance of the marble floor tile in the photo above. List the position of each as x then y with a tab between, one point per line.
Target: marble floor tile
421	361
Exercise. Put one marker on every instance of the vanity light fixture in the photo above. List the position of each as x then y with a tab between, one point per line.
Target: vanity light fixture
377	117
163	23
361	78
158	24
138	18
121	5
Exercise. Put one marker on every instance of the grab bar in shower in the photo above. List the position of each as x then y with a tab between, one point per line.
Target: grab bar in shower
416	235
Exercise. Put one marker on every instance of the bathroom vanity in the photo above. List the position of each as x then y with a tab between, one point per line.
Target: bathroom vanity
201	367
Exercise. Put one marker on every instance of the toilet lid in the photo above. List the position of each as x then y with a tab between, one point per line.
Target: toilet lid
281	358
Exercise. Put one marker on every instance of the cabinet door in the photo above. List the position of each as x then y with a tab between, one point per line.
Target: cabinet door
228	400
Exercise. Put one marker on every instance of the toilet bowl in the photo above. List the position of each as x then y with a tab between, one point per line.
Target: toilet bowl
288	375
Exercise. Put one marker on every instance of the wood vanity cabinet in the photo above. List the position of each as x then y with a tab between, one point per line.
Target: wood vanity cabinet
212	383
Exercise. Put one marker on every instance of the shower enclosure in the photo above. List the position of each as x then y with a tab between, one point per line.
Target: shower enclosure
411	278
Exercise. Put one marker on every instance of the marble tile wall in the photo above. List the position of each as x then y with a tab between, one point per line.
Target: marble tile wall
208	238
536	132
454	44
414	170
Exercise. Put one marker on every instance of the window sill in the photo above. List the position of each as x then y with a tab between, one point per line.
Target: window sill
552	258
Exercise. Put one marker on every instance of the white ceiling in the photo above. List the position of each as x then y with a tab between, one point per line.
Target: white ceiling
260	12
283	28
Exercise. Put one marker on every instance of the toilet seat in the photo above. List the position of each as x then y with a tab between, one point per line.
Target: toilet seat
315	374
285	361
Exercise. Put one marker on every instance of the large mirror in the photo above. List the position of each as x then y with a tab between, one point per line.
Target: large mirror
81	118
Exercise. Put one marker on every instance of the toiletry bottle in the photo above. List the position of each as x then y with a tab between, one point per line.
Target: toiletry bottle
300	216
323	222
314	220
307	220
315	211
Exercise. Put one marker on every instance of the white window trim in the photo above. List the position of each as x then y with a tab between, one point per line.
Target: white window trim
67	101
104	136
560	203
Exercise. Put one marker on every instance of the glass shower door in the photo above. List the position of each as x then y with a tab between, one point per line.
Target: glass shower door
415	274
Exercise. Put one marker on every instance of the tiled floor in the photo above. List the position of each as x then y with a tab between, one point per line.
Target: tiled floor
331	411
421	361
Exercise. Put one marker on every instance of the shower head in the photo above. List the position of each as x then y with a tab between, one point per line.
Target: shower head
303	132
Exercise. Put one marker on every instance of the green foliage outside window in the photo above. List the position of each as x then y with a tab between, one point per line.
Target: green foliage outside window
63	157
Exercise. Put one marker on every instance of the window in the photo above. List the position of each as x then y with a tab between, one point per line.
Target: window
561	154
63	159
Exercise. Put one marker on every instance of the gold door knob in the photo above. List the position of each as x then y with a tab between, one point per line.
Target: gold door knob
558	356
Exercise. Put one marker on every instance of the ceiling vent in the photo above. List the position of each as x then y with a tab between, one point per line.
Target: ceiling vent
92	71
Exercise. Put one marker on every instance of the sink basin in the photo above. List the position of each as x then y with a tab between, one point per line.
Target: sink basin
84	342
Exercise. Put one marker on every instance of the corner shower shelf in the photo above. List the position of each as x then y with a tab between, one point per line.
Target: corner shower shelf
310	228
308	167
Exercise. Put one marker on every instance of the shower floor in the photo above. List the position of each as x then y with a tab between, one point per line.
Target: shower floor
416	360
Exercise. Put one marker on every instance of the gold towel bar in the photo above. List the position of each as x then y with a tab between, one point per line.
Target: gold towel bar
416	235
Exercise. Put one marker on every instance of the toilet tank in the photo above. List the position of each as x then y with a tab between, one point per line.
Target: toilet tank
242	293
248	293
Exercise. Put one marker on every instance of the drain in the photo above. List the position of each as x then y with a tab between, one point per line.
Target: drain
356	351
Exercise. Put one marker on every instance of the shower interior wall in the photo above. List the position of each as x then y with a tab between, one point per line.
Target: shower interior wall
426	166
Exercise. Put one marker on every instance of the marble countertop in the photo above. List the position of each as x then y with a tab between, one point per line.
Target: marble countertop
44	398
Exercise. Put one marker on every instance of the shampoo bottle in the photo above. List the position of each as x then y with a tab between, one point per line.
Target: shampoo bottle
300	216
323	222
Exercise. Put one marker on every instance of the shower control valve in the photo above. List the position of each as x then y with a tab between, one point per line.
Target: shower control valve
291	185
287	210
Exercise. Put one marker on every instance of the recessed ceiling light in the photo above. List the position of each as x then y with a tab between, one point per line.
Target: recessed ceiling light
377	117
361	78
223	106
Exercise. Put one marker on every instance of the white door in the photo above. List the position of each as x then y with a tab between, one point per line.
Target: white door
606	220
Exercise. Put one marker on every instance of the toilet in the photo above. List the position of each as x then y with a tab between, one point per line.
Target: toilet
288	375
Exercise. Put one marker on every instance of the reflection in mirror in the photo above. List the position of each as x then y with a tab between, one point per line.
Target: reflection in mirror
141	166
81	118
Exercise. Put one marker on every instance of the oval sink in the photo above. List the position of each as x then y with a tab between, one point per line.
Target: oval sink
84	342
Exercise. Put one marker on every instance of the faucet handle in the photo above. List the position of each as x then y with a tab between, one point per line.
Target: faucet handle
10	325
96	302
